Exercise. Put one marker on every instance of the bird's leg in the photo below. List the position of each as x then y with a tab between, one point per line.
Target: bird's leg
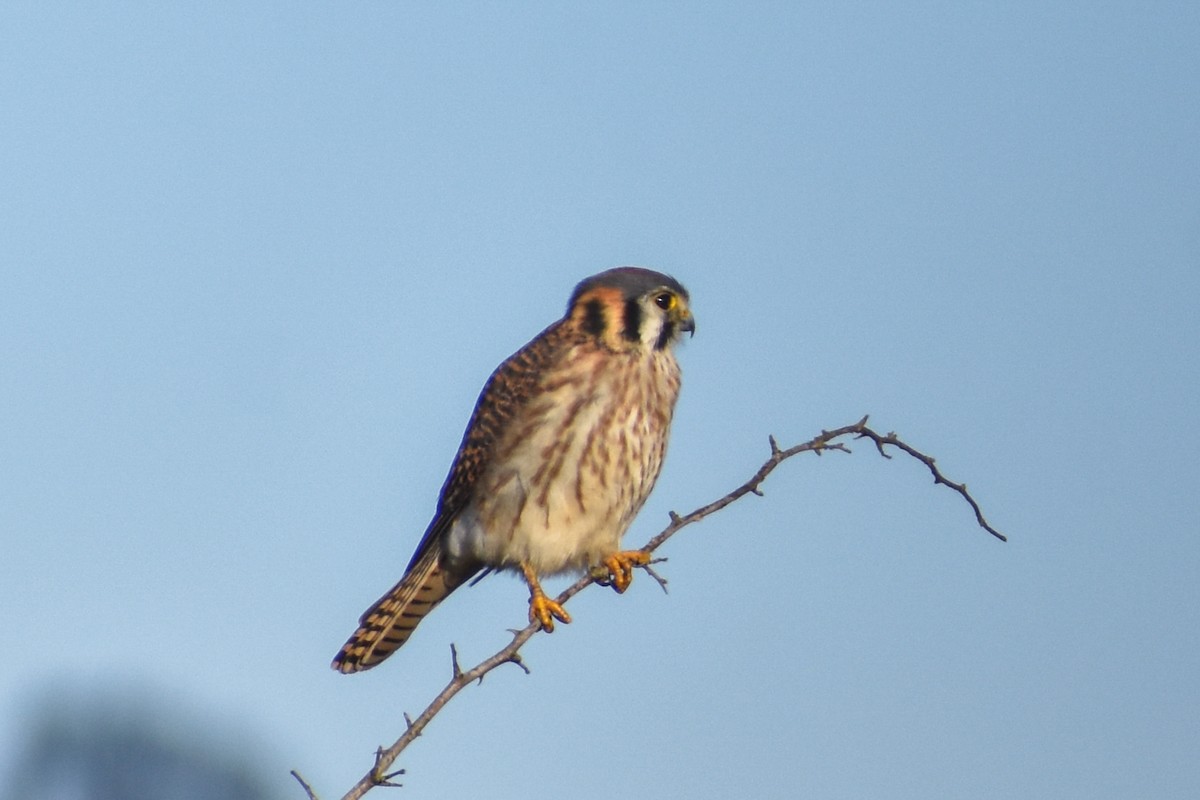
617	569
542	609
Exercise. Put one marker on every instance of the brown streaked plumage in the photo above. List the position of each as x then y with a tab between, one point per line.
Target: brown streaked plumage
565	444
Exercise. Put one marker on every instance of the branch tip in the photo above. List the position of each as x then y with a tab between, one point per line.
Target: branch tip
662	582
308	790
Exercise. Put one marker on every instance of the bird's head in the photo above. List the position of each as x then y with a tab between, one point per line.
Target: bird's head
631	307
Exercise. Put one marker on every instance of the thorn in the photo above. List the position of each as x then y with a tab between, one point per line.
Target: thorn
454	660
515	658
379	778
774	445
662	582
386	780
757	491
408	721
675	518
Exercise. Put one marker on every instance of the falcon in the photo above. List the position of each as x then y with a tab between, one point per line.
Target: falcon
564	446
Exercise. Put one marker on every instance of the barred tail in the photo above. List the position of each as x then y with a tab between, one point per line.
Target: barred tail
388	624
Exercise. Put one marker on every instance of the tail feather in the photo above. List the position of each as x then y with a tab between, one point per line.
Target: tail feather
388	624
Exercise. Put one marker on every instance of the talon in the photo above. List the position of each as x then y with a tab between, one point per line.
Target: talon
620	567
542	609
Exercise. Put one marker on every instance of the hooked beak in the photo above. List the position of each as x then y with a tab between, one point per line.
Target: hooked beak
687	323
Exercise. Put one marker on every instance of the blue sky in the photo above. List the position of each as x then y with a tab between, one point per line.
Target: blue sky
258	261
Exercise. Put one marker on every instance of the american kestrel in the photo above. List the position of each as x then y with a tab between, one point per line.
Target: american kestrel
565	444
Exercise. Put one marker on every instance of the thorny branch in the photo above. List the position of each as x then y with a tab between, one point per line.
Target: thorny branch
510	654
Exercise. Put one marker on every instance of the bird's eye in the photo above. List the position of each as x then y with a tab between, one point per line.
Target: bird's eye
665	301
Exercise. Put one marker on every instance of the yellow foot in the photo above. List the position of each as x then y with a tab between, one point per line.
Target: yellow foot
544	611
617	569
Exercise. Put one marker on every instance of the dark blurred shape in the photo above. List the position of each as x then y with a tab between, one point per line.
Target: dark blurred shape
114	747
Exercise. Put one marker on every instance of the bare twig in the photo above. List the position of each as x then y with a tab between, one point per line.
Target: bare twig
307	789
662	582
510	653
892	440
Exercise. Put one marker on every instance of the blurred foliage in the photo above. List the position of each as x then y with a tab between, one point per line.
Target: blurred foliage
114	745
